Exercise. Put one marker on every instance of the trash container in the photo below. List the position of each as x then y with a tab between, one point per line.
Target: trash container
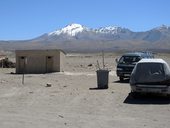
102	78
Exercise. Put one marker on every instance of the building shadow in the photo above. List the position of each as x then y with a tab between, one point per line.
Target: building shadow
10	73
147	99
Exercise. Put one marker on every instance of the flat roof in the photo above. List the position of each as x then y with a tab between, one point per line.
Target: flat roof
39	50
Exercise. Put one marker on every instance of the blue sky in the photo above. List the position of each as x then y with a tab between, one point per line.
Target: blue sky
26	19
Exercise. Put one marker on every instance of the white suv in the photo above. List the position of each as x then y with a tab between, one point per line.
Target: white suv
151	76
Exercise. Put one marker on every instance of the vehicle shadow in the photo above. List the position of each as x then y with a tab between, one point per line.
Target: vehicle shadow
124	81
97	88
147	99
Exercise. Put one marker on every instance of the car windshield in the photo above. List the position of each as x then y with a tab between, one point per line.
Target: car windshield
150	72
129	59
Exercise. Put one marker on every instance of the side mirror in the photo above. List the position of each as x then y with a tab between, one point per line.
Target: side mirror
117	60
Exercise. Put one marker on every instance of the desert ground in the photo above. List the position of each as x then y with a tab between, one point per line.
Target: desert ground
73	101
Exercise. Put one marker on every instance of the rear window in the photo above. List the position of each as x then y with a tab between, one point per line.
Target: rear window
150	72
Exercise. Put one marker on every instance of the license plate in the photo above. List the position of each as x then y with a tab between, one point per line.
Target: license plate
126	74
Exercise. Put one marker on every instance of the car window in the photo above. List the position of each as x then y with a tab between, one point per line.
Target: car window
152	68
129	59
150	72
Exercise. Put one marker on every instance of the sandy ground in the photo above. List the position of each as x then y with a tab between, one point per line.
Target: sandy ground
73	100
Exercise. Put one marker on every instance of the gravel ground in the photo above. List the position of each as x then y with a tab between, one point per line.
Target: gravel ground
73	101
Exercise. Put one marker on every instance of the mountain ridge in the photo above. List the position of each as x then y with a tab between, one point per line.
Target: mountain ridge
76	37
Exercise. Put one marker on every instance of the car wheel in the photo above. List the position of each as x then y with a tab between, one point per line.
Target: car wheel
121	78
168	96
134	95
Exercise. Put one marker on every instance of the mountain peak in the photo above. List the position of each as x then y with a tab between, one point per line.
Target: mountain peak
71	30
162	27
111	29
74	25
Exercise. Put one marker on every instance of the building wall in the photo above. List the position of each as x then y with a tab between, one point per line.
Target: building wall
62	61
35	64
39	61
56	64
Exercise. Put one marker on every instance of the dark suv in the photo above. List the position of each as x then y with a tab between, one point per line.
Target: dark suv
128	61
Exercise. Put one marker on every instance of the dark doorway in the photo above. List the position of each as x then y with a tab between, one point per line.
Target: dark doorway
49	64
22	64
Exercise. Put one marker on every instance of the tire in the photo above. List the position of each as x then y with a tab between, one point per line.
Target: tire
168	96
121	78
134	95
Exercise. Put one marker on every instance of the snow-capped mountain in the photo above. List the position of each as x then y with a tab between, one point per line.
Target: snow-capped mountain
74	29
70	30
112	30
77	29
158	34
76	37
80	32
162	28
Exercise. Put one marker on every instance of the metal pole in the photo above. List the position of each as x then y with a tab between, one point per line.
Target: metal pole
23	73
103	59
98	65
2	63
23	78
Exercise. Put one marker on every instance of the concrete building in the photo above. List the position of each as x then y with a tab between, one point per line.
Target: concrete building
39	61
